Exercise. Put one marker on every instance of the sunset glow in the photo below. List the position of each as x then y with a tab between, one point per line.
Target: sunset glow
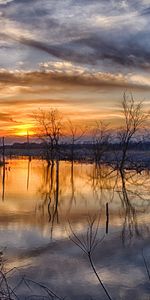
24	130
80	65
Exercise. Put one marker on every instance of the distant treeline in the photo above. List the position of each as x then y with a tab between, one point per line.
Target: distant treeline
82	151
140	146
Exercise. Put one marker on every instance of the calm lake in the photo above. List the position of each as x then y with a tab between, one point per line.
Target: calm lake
38	202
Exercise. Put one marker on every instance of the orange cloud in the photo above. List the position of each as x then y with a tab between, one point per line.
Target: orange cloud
81	97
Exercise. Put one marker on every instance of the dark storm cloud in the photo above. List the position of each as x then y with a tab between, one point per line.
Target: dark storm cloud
132	52
96	48
146	11
114	33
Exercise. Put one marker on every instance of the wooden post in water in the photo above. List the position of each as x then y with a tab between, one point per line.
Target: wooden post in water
29	160
3	143
107	218
3	178
3	183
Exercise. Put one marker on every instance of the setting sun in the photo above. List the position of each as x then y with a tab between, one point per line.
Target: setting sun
24	130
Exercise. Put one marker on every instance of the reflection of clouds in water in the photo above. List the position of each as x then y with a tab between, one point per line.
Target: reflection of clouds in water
22	264
121	269
112	277
22	239
17	238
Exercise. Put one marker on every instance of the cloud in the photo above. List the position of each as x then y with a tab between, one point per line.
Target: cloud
30	103
69	75
7	117
95	48
117	32
72	54
4	2
145	12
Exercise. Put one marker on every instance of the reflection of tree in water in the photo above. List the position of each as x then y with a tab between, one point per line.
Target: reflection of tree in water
49	192
73	190
130	198
3	173
133	192
28	172
103	180
130	225
59	194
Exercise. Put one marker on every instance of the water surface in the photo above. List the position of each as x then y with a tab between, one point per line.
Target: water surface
37	203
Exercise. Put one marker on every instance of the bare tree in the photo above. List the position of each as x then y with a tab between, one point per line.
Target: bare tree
134	119
49	130
88	244
76	133
9	291
101	138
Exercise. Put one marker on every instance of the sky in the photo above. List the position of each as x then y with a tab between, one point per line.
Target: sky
76	56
